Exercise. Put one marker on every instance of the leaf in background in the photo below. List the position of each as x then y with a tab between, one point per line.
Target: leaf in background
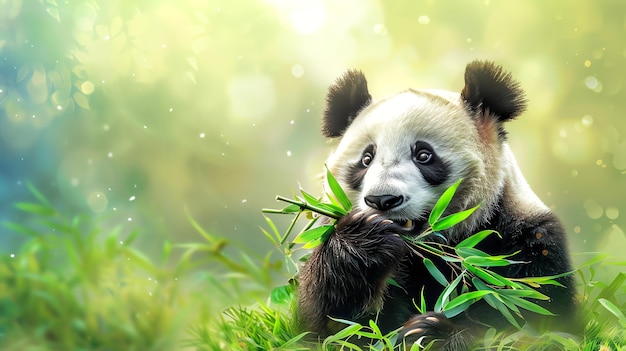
393	282
269	236
272	226
443	202
609	306
42	199
21	229
199	228
116	26
22	73
81	100
337	191
452	219
435	272
281	295
36	209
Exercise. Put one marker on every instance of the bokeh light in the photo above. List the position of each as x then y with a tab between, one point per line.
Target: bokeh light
133	111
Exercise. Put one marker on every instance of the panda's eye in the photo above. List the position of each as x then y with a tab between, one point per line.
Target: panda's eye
366	159
423	156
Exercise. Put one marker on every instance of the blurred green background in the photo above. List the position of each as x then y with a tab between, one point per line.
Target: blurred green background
135	111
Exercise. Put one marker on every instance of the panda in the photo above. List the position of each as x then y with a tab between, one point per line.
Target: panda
395	158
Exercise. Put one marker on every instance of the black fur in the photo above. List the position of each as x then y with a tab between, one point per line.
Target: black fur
345	99
358	170
350	271
490	89
348	276
436	171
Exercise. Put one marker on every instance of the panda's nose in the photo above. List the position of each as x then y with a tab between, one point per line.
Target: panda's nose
383	202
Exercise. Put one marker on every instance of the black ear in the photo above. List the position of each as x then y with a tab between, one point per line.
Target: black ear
345	99
490	89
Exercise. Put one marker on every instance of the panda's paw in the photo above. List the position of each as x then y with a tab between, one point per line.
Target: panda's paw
436	330
369	230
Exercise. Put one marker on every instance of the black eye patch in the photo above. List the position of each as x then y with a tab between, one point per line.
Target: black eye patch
433	168
358	169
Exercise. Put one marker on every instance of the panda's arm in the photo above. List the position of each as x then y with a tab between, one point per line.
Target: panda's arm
346	276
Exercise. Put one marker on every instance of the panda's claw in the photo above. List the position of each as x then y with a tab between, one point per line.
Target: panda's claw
436	329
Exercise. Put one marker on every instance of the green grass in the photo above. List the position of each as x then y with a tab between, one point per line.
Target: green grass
72	286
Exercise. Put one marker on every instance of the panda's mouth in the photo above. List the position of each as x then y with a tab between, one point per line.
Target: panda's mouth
411	226
406	224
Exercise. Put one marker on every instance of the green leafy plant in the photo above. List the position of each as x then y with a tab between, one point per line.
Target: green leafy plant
74	286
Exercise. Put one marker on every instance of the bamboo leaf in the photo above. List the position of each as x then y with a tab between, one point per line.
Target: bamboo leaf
316	233
524	293
291	209
453	219
272	226
466	252
483	275
21	229
495	303
500	306
42	199
527	305
375	329
493	261
476	238
462	302
435	272
199	228
443	202
444	298
537	281
309	198
268	235
344	333
337	191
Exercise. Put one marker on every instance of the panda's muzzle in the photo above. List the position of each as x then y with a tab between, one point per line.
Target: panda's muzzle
384	202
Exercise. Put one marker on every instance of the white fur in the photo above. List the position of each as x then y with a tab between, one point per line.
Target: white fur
439	118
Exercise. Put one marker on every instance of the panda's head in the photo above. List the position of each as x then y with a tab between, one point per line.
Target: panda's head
397	155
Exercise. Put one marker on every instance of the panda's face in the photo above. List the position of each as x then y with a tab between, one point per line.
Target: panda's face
401	153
